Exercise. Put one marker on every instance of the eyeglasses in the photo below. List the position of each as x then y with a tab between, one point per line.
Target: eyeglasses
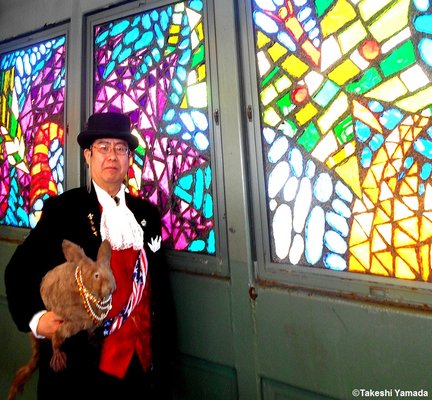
105	148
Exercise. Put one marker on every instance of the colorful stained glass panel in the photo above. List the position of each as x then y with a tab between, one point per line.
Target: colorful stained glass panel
152	66
32	93
348	184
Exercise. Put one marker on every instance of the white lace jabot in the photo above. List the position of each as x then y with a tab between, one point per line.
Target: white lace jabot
118	224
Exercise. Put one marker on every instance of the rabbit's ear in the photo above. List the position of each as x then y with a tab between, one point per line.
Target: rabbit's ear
104	252
72	251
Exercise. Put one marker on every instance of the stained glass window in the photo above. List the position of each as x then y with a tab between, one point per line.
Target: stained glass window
32	93
345	99
152	67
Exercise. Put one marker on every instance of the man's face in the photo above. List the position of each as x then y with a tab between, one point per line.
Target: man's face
108	160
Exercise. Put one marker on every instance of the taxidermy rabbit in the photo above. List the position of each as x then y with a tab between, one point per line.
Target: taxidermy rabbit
79	291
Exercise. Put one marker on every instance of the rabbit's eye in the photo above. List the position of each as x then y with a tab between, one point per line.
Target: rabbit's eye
96	275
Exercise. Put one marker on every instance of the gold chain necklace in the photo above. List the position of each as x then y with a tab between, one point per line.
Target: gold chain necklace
96	308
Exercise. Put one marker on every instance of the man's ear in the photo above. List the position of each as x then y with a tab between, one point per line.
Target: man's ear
87	155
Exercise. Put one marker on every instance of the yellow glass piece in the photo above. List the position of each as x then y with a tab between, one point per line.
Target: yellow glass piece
425	228
401	211
405	189
411	226
352	36
261	40
271	117
387	207
385	192
417	101
200	32
378	244
425	261
389	90
339	15
357	235
355	266
403	270
294	66
385	231
268	94
412	202
173	40
52	187
365	221
344	72
341	155
368	8
377	268
381	157
325	147
369	181
349	173
174	29
362	253
311	51
372	194
333	112
365	115
202	72
386	260
36	168
41	149
277	51
282	83
306	113
401	239
414	78
390	171
390	21
381	218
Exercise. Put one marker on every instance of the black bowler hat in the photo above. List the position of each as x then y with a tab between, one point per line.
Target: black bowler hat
109	125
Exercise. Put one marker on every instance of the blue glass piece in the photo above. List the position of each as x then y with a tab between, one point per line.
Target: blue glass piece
183	194
335	242
424	147
164	20
196	245
421	5
169	114
269	135
200	120
362	131
265	22
208	206
175	99
185	57
295	159
173	129
327	92
425	49
287	41
366	157
145	21
376	141
341	208
423	23
425	171
343	192
409	161
390	118
186	181
198	195
211	242
119	28
196	5
131	36
109	68
304	14
335	262
267	5
201	141
208	177
375	106
310	169
421	189
323	187
338	223
181	73
187	121
314	235
278	149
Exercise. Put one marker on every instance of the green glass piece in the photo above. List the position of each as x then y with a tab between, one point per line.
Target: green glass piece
344	130
321	6
309	138
285	104
369	80
269	76
399	59
198	57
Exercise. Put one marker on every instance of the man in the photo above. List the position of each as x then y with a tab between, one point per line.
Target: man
132	357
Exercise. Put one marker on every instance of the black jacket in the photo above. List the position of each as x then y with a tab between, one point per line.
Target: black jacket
75	215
